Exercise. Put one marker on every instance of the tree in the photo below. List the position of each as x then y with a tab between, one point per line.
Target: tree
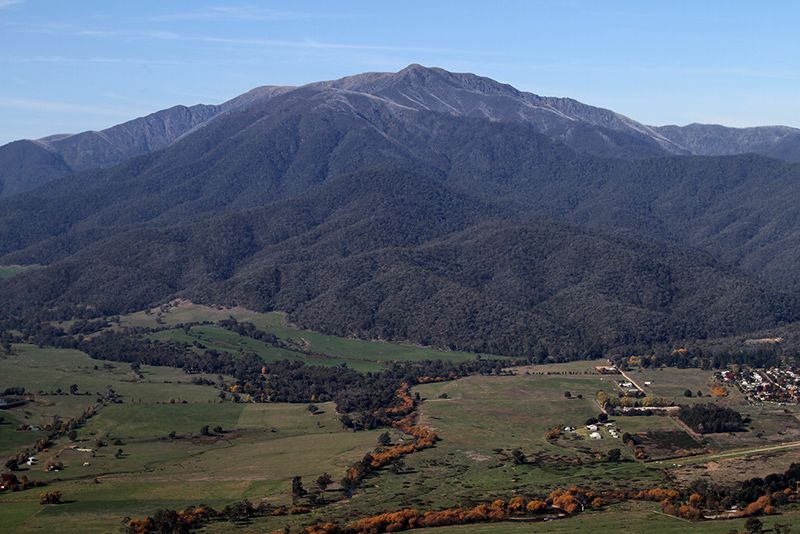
218	430
323	481
298	490
312	408
346	421
119	454
397	466
72	435
614	455
754	525
384	439
687	393
50	497
518	457
602	417
204	431
73	389
719	391
567	395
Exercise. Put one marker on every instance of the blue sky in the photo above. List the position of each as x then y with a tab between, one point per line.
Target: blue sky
68	66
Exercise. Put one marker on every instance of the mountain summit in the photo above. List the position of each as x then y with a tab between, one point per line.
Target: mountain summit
584	128
423	205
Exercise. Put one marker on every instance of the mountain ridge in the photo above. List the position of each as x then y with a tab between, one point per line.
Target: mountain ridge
416	212
70	153
583	127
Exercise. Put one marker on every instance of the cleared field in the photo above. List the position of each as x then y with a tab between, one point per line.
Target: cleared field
261	448
48	370
733	467
247	461
217	338
771	424
9	271
482	419
671	383
166	462
357	353
44	372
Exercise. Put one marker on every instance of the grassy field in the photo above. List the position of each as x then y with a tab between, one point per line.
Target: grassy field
166	462
359	354
261	448
9	271
671	383
483	418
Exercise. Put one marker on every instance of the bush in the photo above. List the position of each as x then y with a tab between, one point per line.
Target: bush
50	497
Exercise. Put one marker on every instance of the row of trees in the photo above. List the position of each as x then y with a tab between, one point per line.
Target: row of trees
755	497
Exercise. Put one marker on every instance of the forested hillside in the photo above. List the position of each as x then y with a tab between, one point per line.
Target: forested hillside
362	215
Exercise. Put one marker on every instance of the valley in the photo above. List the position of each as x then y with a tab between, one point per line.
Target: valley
164	438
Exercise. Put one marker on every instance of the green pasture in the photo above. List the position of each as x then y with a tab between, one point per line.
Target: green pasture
357	353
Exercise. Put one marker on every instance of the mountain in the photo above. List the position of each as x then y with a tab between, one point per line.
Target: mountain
779	142
584	128
27	164
420	205
395	255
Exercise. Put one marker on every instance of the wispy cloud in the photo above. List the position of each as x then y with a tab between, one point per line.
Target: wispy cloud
88	60
313	44
59	107
149	34
8	3
136	34
241	13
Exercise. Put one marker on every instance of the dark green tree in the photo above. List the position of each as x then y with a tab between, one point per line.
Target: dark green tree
298	491
384	439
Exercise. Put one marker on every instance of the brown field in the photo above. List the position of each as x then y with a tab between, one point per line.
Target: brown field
737	469
668	444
